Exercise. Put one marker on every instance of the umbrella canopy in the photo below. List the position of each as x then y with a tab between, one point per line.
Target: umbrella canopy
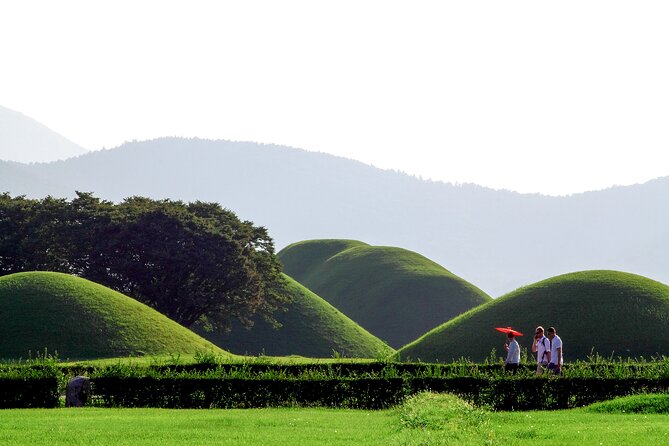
509	330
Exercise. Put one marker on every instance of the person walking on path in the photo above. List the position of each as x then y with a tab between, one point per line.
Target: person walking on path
542	347
512	355
555	362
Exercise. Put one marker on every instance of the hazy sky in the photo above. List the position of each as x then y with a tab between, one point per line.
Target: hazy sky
533	96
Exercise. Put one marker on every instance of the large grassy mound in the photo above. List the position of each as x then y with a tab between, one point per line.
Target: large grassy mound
603	312
310	327
80	319
395	294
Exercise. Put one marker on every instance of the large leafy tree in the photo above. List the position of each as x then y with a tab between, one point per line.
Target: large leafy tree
194	262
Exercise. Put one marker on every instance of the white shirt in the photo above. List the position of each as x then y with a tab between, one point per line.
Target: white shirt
543	345
556	343
513	356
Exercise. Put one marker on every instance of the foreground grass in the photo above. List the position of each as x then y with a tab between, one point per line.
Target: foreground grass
195	427
425	419
432	419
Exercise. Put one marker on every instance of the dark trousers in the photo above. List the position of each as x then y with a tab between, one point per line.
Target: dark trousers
513	368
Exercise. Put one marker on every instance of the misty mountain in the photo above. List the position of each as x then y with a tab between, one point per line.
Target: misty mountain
497	240
25	140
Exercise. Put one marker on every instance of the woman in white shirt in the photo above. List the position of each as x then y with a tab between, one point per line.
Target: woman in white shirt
512	355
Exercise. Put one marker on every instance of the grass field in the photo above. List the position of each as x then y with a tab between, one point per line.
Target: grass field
426	419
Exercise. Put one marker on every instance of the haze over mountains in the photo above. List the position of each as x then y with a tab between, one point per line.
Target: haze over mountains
24	140
497	240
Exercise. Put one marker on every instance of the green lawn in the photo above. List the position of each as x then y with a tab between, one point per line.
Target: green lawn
425	419
161	427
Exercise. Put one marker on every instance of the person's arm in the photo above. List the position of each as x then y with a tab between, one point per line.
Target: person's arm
559	356
548	355
534	345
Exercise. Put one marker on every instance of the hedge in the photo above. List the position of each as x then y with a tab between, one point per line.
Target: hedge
197	392
20	392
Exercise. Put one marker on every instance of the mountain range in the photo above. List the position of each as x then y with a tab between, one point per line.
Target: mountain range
497	240
22	139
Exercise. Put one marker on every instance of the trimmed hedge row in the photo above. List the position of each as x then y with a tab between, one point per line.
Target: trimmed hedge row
28	392
386	369
197	392
362	393
539	393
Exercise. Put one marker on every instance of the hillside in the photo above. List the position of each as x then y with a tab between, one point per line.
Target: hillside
310	327
25	140
607	312
80	319
395	294
497	239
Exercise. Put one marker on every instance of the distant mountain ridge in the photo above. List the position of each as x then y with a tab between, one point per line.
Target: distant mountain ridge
497	240
24	140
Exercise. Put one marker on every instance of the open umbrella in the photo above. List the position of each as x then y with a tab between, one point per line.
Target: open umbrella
509	330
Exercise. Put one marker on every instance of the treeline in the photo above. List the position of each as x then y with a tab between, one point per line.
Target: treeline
194	262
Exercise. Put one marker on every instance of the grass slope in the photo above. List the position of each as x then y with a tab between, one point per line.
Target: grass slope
310	327
394	293
80	319
606	312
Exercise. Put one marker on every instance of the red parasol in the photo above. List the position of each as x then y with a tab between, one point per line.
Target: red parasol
509	330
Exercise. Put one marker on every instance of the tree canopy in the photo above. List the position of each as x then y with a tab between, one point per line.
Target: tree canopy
194	262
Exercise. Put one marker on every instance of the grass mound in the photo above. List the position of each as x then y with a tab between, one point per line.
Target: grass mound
603	312
648	403
431	418
80	319
394	293
310	327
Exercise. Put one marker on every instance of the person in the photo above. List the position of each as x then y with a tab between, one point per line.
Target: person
555	361
512	355
542	347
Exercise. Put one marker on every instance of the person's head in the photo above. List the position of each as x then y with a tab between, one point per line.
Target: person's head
539	332
551	332
510	336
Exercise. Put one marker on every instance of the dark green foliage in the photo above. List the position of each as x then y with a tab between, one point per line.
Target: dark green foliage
310	327
212	392
32	384
372	385
28	392
395	294
189	261
610	313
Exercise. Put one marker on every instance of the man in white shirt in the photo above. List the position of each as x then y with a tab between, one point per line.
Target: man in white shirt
555	363
542	347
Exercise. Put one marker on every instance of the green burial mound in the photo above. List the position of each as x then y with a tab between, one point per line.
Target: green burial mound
80	319
395	294
310	327
609	313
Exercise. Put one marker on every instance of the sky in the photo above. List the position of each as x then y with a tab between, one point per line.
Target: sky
537	97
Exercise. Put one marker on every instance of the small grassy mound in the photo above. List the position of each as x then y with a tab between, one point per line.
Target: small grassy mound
80	319
310	327
603	312
648	403
441	418
394	293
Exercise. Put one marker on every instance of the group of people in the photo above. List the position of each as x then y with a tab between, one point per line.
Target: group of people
548	348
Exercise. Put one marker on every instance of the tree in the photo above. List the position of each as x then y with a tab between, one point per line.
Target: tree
193	262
